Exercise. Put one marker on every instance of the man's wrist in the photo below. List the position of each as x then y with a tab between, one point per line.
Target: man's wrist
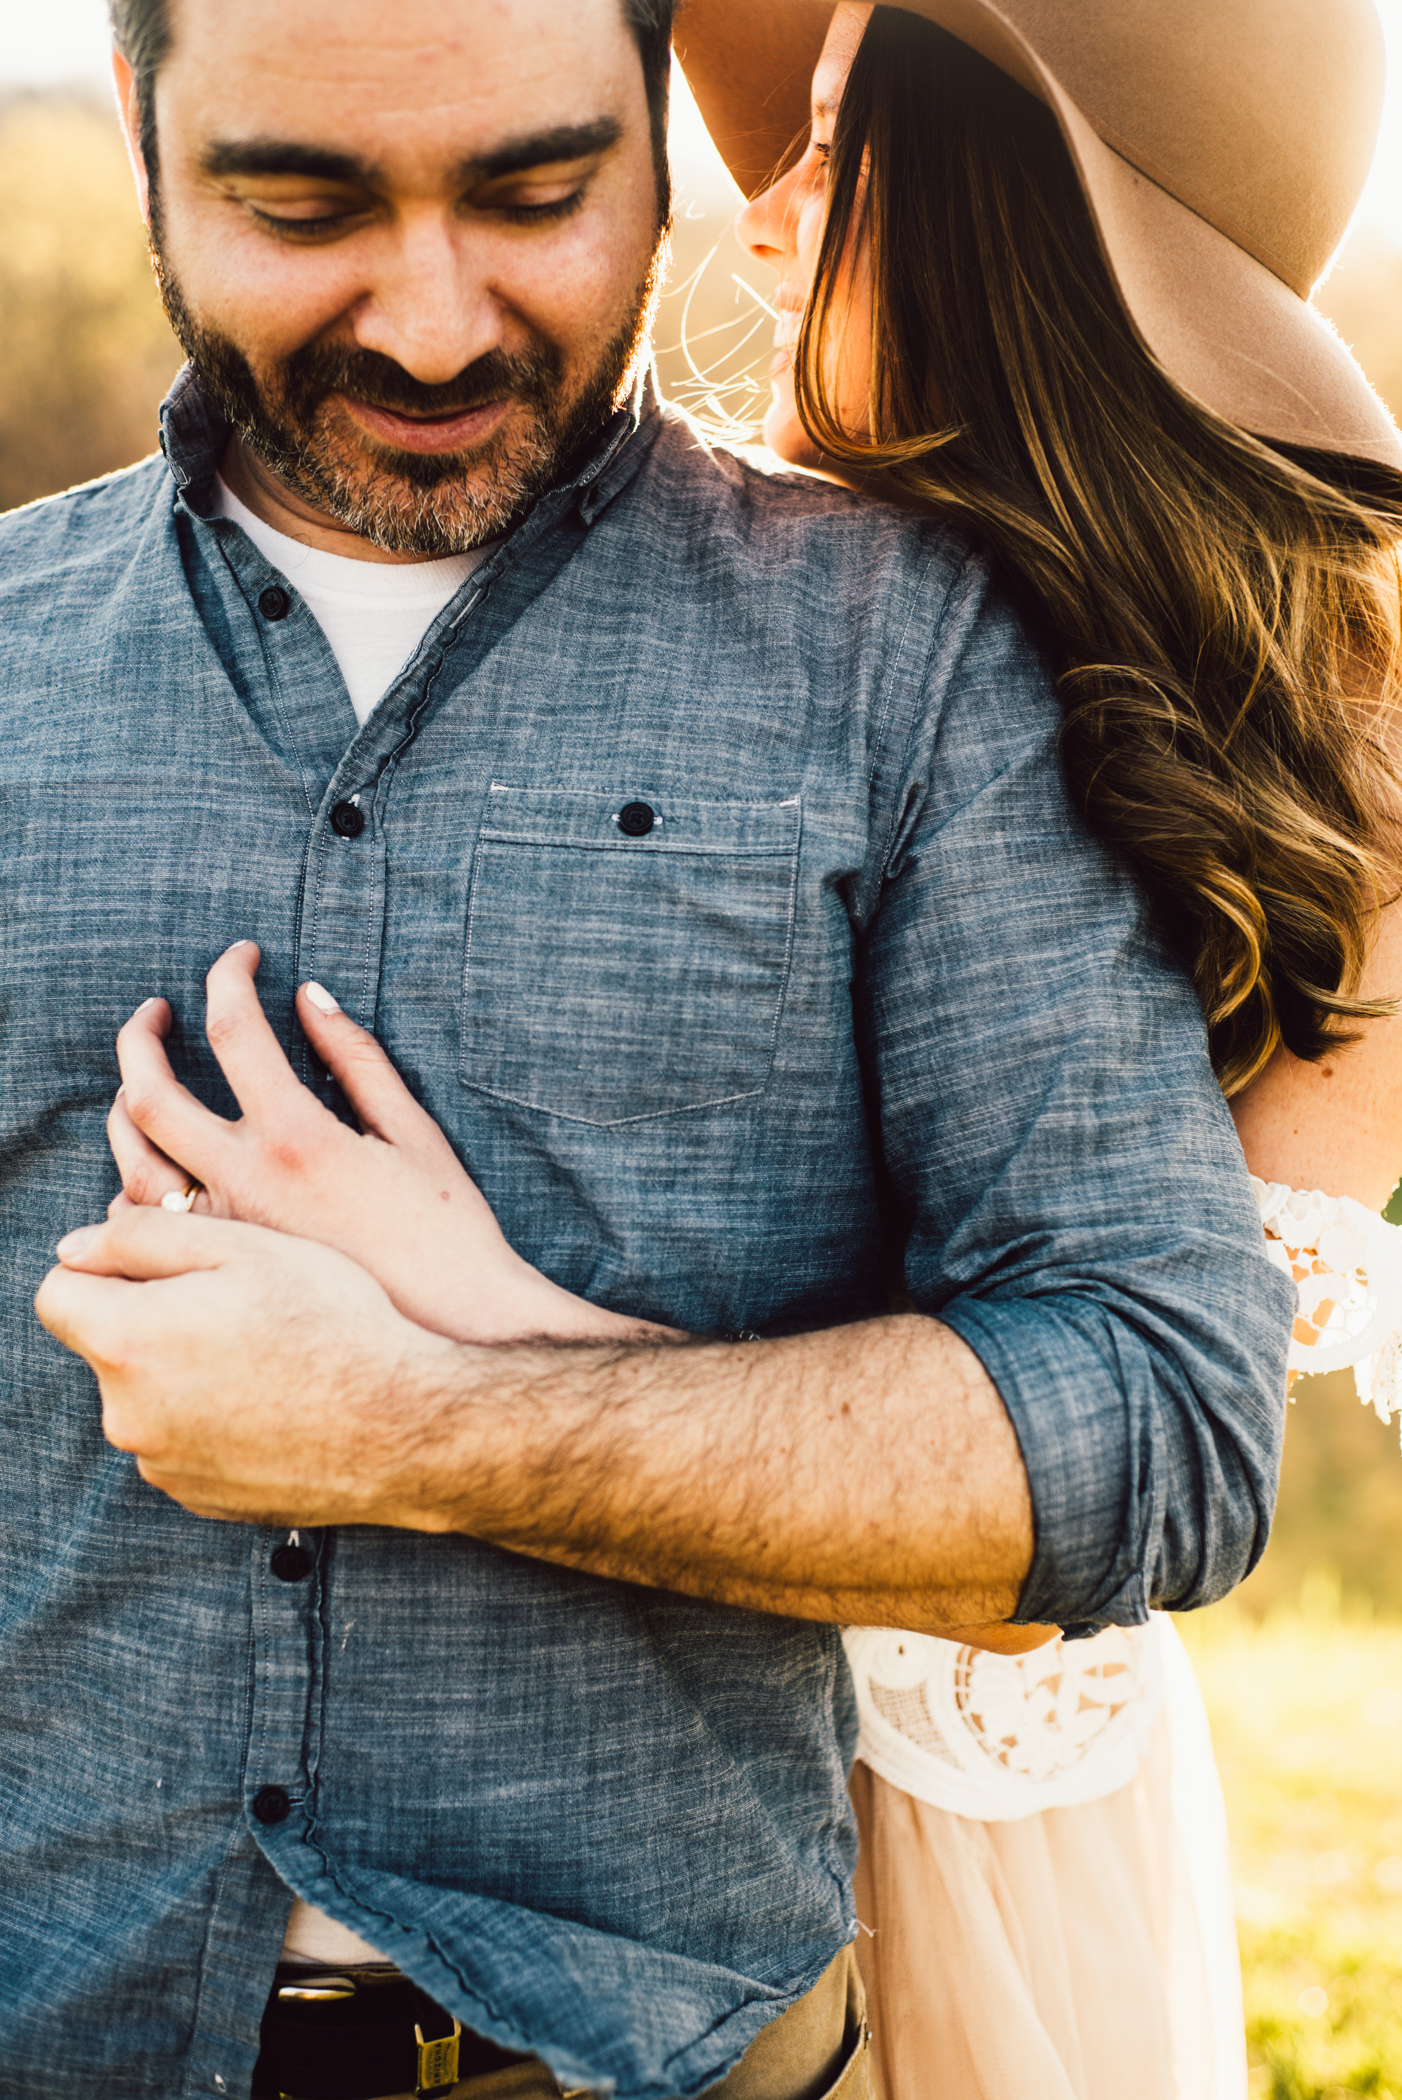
494	1424
417	1414
477	1430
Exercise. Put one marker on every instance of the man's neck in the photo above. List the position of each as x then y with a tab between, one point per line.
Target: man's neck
273	502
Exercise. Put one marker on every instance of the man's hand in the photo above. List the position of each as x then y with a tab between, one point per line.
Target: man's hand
863	1475
255	1378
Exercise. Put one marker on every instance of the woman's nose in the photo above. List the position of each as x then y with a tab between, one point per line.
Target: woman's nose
765	226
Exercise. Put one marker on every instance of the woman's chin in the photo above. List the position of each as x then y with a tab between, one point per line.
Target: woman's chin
786	437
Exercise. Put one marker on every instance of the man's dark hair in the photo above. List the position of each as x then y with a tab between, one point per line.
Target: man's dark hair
141	29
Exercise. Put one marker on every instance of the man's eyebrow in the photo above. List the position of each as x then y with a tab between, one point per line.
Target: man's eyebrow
542	148
283	157
513	157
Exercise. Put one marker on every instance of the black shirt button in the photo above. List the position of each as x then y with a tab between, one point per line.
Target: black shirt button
272	1804
292	1563
347	821
274	603
637	819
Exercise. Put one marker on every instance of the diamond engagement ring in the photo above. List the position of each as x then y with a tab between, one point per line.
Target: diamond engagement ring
181	1199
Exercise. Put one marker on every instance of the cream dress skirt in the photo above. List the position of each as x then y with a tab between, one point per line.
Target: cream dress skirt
1080	1953
1044	1888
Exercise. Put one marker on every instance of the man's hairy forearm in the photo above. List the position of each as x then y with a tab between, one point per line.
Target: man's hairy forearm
864	1474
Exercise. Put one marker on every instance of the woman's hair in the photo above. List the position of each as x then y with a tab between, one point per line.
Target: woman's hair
1223	614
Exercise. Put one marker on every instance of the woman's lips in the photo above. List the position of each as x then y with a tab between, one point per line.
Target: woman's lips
454	432
786	334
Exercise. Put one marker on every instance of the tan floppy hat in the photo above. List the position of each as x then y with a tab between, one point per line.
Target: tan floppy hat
1222	145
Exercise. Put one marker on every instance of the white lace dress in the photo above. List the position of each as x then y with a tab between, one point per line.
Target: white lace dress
1044	1885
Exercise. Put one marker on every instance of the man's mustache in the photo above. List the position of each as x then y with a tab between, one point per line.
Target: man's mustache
366	375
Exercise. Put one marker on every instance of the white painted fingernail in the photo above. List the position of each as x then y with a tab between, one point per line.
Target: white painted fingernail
245	943
321	999
143	1006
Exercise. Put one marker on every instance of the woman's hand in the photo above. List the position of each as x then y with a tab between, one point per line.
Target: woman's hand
393	1197
1001	1639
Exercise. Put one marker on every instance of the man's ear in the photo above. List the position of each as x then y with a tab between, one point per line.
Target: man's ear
129	117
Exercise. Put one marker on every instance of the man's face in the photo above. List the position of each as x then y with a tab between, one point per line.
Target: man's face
409	248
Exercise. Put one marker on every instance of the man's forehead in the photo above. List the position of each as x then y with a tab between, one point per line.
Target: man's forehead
459	60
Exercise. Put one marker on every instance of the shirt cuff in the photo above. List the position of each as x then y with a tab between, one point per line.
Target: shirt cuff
1139	1452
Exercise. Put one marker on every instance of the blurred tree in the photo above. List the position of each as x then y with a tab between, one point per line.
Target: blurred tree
85	354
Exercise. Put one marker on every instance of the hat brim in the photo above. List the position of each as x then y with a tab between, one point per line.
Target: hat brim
1227	330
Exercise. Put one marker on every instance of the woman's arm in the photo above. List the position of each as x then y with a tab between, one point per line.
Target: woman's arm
1336	1125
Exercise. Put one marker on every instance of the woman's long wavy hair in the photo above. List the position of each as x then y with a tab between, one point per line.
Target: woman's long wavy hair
1223	614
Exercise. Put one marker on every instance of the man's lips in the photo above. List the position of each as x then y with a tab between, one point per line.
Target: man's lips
453	432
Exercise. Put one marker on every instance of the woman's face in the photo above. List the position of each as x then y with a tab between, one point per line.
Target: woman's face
783	227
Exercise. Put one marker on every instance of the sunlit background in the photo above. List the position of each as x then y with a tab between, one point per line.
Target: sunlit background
1303	1669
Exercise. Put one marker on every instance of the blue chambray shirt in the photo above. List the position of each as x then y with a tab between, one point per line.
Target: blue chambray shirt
864	999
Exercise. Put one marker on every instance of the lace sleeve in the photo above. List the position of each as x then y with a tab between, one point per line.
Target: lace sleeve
1346	1265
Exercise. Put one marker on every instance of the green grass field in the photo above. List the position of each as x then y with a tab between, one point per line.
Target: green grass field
1306	1710
1302	1673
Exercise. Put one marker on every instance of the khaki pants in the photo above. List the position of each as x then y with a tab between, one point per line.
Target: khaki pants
817	2050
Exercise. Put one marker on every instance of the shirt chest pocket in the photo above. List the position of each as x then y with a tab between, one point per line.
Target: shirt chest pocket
626	952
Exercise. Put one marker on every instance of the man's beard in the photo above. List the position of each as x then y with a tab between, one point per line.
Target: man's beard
411	502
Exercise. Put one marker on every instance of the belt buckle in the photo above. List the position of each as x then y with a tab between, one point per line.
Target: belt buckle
438	2064
324	1990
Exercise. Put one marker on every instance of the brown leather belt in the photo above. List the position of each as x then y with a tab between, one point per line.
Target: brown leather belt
368	2033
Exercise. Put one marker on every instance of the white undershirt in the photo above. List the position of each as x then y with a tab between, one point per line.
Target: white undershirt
373	613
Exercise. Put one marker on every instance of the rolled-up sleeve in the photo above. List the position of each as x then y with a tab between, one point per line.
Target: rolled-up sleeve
1064	1173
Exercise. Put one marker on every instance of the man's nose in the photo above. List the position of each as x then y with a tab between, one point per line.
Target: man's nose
430	306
